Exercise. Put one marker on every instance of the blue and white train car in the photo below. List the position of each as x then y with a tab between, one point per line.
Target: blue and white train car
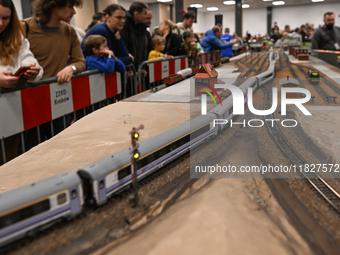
106	176
28	209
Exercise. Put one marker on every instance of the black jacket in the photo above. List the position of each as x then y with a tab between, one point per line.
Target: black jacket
134	38
325	39
172	45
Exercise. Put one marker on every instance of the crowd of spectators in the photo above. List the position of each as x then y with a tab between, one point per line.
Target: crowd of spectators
114	39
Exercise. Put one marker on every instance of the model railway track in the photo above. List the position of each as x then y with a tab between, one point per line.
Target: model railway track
325	96
314	179
251	68
327	81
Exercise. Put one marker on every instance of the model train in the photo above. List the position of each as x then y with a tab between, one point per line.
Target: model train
35	207
313	76
180	75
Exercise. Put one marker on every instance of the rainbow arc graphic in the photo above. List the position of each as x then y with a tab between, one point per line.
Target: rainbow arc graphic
209	93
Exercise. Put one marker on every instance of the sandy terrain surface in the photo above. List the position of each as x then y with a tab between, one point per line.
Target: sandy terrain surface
94	137
222	218
323	128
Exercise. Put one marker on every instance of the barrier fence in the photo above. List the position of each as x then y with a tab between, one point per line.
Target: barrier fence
158	70
45	101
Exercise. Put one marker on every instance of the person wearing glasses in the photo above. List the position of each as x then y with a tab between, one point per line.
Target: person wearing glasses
110	29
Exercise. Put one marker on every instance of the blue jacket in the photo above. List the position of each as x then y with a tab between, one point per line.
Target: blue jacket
104	64
227	52
117	46
210	42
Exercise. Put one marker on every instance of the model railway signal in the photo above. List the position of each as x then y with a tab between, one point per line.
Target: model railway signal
134	158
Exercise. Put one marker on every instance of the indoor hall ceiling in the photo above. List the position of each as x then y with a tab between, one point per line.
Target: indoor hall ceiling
252	4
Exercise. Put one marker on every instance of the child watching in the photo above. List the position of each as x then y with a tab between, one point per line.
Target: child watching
158	44
100	57
189	47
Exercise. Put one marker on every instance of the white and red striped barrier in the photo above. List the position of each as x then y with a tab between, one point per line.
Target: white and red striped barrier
160	70
27	108
209	57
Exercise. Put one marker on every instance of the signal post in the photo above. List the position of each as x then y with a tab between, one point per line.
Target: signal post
134	159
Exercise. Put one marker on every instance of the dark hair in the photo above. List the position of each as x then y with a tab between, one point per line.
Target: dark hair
186	35
197	38
98	16
112	8
302	26
92	24
216	29
93	41
328	13
189	15
226	30
287	26
137	7
10	39
43	8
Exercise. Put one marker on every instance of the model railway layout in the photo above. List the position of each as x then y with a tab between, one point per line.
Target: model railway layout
41	204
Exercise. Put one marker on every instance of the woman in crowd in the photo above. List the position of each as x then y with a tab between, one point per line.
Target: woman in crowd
14	48
173	42
14	53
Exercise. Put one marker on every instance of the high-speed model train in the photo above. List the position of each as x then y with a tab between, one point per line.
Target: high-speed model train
35	207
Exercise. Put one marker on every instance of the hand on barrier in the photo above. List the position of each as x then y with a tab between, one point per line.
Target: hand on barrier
133	59
65	74
32	73
7	80
106	53
144	73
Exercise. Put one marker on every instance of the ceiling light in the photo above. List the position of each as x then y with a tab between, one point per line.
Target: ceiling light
245	5
196	5
317	0
212	9
229	2
163	1
278	3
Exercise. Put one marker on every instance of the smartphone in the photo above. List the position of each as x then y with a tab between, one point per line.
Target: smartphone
21	70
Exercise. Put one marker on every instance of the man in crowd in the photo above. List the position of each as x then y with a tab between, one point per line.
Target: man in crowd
134	33
148	35
110	29
296	35
186	25
327	37
275	26
54	44
210	42
227	52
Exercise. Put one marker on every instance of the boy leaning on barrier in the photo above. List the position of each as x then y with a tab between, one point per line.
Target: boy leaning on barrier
100	57
158	44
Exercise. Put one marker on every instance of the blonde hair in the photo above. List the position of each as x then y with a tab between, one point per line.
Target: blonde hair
11	37
171	24
157	40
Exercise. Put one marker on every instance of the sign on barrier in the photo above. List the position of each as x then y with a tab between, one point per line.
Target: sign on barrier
160	70
24	109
